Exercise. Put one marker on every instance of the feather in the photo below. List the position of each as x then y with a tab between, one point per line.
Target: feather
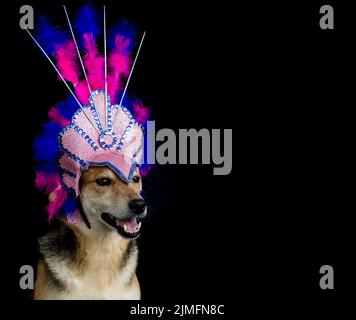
144	170
48	36
67	56
82	92
93	62
86	22
46	166
57	117
45	145
141	113
58	198
125	29
127	101
47	182
70	205
119	63
67	107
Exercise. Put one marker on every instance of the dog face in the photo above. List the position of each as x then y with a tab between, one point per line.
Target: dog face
111	203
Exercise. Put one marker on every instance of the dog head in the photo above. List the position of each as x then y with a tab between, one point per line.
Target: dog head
110	203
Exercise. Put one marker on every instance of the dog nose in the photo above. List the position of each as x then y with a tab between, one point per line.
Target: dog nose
137	206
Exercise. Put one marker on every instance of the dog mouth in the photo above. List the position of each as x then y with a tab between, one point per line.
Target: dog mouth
126	228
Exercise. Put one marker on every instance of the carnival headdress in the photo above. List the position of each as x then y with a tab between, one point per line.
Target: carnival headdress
93	126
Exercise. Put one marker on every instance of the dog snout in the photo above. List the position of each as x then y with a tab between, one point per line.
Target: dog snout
138	206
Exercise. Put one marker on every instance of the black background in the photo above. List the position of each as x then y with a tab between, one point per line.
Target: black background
268	71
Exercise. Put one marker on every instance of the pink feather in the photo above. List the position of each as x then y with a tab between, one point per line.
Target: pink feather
94	63
141	113
145	170
82	92
54	206
66	56
47	182
51	183
56	116
119	63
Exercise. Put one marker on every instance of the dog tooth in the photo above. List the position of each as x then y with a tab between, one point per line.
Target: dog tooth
125	228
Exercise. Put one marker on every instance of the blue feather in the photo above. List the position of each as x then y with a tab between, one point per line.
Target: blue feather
67	107
86	22
125	29
45	166
49	36
127	102
70	205
45	146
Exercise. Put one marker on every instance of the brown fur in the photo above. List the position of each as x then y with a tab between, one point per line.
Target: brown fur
96	263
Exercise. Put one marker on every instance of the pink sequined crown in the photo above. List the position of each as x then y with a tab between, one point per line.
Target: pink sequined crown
115	140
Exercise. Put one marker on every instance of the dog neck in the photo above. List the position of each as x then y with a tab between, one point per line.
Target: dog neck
100	242
75	257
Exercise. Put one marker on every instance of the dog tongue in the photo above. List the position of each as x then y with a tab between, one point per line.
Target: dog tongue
131	225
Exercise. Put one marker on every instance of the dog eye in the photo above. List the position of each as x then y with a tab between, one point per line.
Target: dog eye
103	182
136	179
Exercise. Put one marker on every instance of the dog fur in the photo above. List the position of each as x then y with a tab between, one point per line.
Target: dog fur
78	262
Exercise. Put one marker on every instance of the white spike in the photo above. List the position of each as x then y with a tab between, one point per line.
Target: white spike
128	79
76	46
106	72
60	75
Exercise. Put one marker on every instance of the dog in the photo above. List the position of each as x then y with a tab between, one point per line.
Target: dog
95	259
